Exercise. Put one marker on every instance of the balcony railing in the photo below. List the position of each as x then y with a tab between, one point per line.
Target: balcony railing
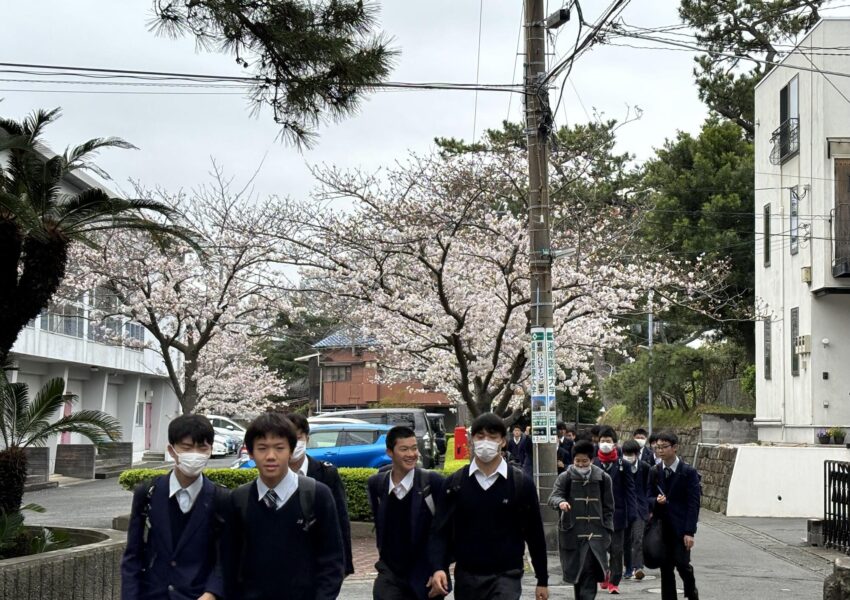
786	141
840	218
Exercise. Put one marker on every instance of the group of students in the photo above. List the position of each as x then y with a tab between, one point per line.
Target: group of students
286	535
609	495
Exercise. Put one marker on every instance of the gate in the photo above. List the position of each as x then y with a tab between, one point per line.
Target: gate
836	505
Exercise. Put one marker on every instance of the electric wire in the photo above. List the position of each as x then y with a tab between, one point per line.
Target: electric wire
477	69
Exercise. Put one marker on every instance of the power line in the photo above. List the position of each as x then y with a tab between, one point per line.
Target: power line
516	56
477	68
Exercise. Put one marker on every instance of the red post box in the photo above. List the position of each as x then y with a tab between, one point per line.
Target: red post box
461	444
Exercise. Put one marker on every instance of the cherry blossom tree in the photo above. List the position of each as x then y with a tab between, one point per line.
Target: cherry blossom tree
205	313
433	264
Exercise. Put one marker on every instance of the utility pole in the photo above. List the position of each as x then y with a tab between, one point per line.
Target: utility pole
651	325
537	122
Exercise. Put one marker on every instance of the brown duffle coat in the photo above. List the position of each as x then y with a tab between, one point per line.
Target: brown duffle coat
584	531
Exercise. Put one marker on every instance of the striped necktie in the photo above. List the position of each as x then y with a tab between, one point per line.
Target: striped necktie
270	499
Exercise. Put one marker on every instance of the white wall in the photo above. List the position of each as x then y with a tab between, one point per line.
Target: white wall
790	408
780	481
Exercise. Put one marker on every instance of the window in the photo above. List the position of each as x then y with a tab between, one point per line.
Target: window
323	439
794	225
337	373
789	107
134	332
767	357
406	419
795	332
140	414
786	138
766	237
66	319
359	438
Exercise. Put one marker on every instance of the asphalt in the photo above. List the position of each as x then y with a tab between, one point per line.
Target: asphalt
734	558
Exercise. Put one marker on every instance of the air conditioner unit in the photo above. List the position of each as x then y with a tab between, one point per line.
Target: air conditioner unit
806	274
803	344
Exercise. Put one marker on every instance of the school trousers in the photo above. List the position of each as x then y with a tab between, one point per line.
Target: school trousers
678	557
633	545
615	557
389	586
472	586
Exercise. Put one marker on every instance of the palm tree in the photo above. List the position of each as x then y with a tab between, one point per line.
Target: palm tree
24	423
39	222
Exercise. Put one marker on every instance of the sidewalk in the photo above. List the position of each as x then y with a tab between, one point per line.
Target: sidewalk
763	559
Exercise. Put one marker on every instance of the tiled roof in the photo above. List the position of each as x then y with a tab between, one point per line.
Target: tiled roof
341	339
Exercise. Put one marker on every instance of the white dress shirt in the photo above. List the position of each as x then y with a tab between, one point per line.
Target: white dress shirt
405	485
284	490
303	468
674	467
485	481
185	496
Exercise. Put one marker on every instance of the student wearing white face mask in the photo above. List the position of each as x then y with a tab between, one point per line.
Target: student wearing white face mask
488	514
326	473
175	524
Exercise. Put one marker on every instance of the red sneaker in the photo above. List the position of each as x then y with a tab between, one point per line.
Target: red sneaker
613	589
604	585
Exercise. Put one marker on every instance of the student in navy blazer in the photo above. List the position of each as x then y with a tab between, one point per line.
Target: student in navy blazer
403	499
172	539
521	450
674	497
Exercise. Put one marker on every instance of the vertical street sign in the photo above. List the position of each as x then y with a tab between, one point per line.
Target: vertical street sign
543	376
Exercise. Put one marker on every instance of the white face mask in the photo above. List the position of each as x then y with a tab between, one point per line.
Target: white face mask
581	470
606	447
629	459
298	453
641	442
191	464
486	450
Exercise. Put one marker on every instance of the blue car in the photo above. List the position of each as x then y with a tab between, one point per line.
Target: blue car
346	445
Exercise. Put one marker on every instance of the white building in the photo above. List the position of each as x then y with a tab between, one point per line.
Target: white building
124	381
802	221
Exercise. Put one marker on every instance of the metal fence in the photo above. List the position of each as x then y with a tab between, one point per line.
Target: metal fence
836	505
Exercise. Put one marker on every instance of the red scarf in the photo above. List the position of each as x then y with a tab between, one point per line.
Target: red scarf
608	458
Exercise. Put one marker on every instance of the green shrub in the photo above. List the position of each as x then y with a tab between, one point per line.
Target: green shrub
356	493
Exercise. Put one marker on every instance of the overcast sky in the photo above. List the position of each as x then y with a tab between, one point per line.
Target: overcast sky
177	134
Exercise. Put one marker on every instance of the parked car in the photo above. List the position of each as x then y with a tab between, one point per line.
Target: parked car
219	422
220	445
233	439
328	418
343	445
415	418
438	426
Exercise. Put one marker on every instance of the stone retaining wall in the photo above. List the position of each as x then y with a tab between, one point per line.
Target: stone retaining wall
715	464
91	571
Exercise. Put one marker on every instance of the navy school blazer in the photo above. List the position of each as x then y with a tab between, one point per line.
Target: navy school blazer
421	517
623	484
683	497
165	568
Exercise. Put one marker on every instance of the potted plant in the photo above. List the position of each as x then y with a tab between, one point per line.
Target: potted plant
837	435
823	436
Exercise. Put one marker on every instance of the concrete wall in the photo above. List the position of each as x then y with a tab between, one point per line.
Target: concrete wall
716	465
38	464
780	481
75	460
728	429
90	571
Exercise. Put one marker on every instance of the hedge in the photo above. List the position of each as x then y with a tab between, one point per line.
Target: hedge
353	480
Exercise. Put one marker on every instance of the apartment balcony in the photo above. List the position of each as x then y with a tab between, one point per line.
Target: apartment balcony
786	141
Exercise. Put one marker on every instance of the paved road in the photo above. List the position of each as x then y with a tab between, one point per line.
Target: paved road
727	568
